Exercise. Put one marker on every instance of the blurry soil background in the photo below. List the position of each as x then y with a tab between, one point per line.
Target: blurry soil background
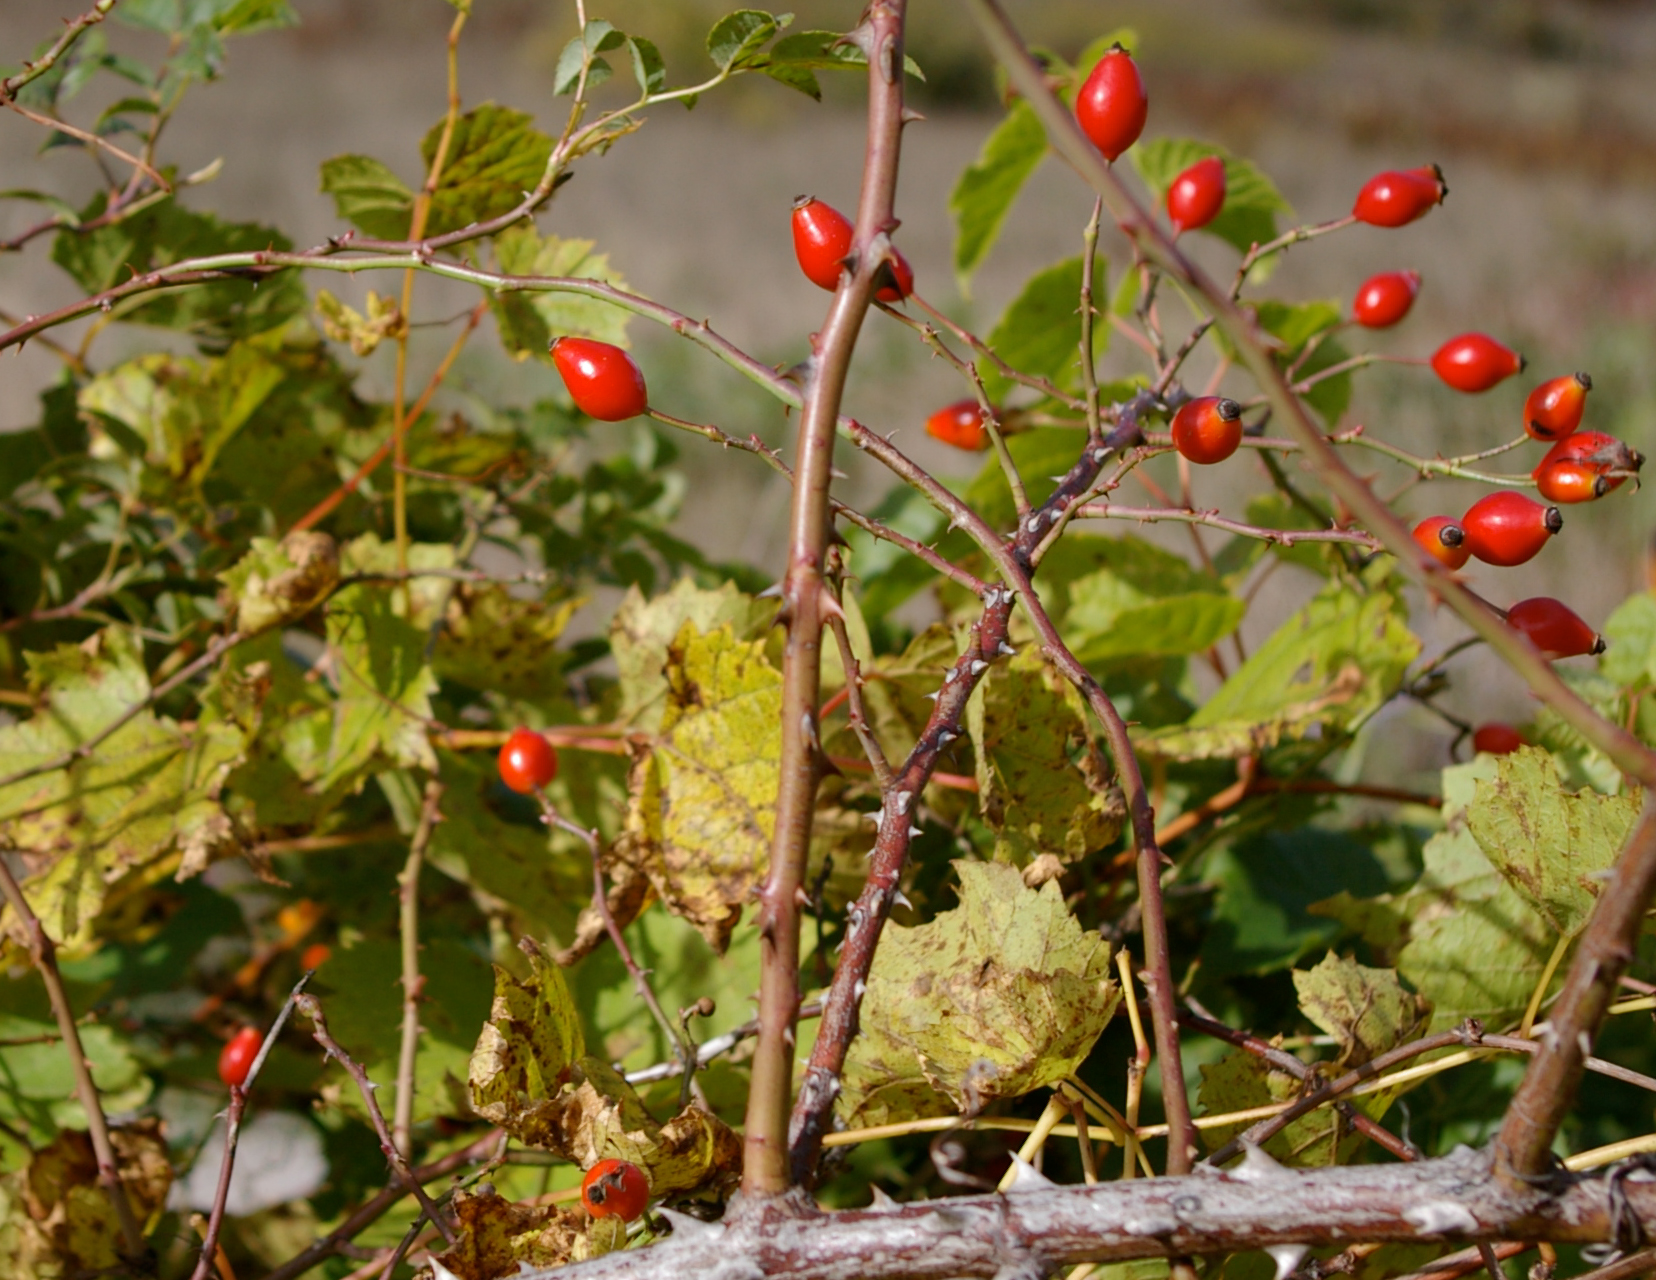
1543	116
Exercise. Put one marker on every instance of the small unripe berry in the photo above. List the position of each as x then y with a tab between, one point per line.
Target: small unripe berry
1208	429
1554	628
1475	362
1507	528
1444	540
1385	299
1196	196
1112	105
1399	196
1553	410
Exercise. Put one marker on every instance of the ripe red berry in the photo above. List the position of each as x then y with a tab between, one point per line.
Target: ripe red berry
1496	739
615	1189
1399	196
1605	454
315	956
527	761
236	1060
1554	409
1385	299
1475	362
1507	528
1568	481
603	381
822	241
1444	540
959	424
1112	103
1554	628
1196	195
1208	429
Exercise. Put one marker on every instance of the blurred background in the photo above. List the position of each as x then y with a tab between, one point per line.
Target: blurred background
1541	113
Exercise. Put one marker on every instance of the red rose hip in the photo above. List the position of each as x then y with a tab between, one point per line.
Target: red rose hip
1384	300
1443	540
602	379
527	761
1399	196
1508	528
1553	410
1496	739
615	1189
1112	104
1554	628
236	1059
1196	196
959	424
1608	458
1208	429
822	241
1475	362
1566	481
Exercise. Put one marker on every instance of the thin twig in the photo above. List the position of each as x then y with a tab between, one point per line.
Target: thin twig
413	982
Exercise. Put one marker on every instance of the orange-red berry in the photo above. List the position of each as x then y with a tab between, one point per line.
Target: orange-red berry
602	379
1554	628
1196	196
1553	410
527	761
1112	104
1507	528
236	1059
959	424
1444	540
1609	457
1496	739
1384	300
1475	362
822	241
1208	429
1568	481
615	1189
1399	196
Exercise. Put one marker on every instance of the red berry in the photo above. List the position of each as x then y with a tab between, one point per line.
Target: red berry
1567	481
822	241
1196	195
1554	409
315	956
1112	103
1496	739
959	424
602	380
1385	299
1208	429
1507	528
1554	628
1444	540
1399	196
615	1189
527	761
1475	362
237	1058
1596	450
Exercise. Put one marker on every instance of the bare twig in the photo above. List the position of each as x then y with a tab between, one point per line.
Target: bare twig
413	982
72	31
43	951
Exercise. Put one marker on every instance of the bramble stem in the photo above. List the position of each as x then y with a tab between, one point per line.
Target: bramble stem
413	982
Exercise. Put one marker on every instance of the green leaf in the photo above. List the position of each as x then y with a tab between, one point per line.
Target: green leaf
738	35
597	37
1293	325
64	210
495	158
1631	631
1462	937
793	58
215	313
1039	455
1040	332
702	798
280	582
360	987
1329	666
1553	846
244	17
1241	1081
144	804
648	68
32	1075
1368	1011
529	320
1146	601
1251	199
1006	991
642	632
368	195
1044	786
526	1051
988	186
490	639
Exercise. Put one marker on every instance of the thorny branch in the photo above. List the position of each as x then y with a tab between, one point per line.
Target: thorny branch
413	982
